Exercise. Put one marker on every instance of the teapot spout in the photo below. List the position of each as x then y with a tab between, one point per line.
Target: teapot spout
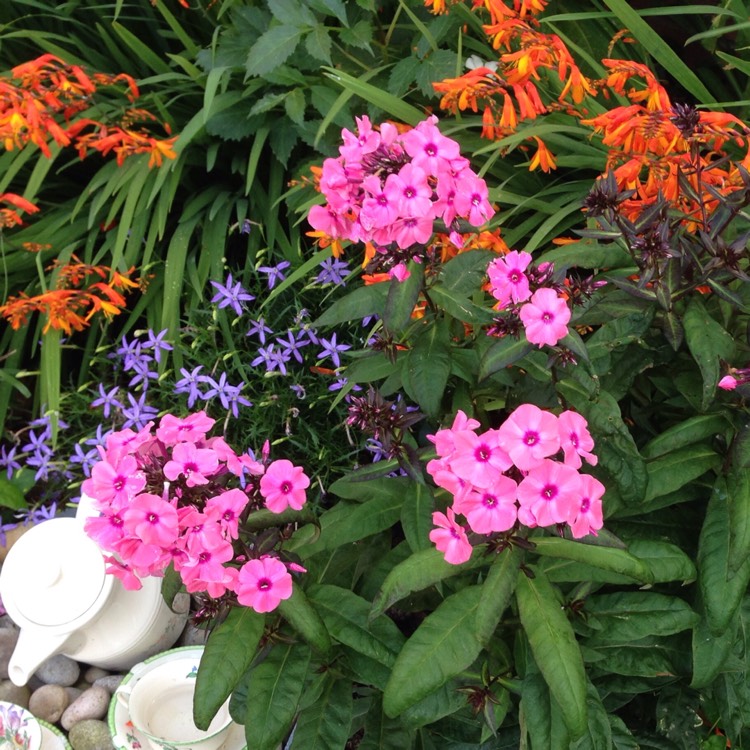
32	649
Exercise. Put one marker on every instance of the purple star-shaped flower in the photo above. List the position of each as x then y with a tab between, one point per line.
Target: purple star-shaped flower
231	294
274	273
156	342
107	400
188	383
333	271
332	349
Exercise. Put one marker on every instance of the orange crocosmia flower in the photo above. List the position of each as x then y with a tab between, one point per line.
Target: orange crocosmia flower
375	278
35	247
465	91
19	202
543	158
577	85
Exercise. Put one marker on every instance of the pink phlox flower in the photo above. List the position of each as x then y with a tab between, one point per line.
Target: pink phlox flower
225	509
545	317
205	565
429	148
128	441
144	559
508	280
364	142
108	528
450	538
116	482
529	435
445	477
728	383
410	191
575	439
192	428
197	530
400	272
588	517
283	486
549	494
326	219
337	183
445	202
444	439
472	199
412	230
389	136
195	464
151	519
129	579
479	459
378	210
263	583
225	454
492	509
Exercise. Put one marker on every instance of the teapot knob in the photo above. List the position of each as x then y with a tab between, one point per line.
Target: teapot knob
46	576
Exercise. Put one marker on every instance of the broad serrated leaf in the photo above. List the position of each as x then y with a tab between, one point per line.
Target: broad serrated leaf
302	616
403	75
359	35
346	618
440	648
325	724
274	689
229	651
318	43
607	558
272	48
424	568
294	105
555	649
497	590
502	353
708	343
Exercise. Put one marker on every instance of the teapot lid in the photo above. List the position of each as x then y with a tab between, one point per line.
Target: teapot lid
54	574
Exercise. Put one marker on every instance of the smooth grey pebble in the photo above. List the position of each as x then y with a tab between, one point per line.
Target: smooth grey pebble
73	693
90	704
8	640
92	674
90	734
13	693
48	703
111	682
59	670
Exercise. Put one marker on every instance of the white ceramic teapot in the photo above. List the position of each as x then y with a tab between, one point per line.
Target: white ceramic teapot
54	587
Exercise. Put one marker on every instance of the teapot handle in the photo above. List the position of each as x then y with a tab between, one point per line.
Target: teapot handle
123	695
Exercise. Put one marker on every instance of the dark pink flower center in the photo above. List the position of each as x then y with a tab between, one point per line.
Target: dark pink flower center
116	521
264	584
285	487
204	557
490	501
547	317
409	192
573	439
228	515
476	199
119	483
585	504
531	438
549	492
454	533
431	149
152	518
382	200
514	277
189	468
483	453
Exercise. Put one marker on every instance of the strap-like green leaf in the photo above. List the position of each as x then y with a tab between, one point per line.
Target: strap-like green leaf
555	649
497	591
303	617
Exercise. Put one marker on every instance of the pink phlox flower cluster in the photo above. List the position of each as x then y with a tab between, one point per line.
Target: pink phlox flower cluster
389	188
164	497
514	474
542	311
737	376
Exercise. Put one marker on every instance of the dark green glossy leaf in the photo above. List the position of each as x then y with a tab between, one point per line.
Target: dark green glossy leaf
497	591
737	484
464	273
440	648
229	651
324	725
555	649
363	301
459	306
678	468
11	495
274	690
402	297
427	367
382	732
301	615
692	430
502	353
416	516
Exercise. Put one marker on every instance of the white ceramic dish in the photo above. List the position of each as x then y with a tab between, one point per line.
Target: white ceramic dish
126	737
53	738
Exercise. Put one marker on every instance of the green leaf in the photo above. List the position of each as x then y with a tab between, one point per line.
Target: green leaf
497	591
402	297
325	724
458	306
441	647
301	615
424	568
229	651
416	516
171	585
359	35
502	353
632	615
464	273
11	495
382	732
274	690
540	715
678	468
722	591
427	367
346	618
318	43
708	343
737	495
665	561
692	430
366	300
598	734
555	649
607	558
272	48
710	652
294	105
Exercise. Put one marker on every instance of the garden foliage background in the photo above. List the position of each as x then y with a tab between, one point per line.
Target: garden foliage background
158	169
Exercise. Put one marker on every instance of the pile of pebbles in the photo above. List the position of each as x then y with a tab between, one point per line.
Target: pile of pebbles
72	696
